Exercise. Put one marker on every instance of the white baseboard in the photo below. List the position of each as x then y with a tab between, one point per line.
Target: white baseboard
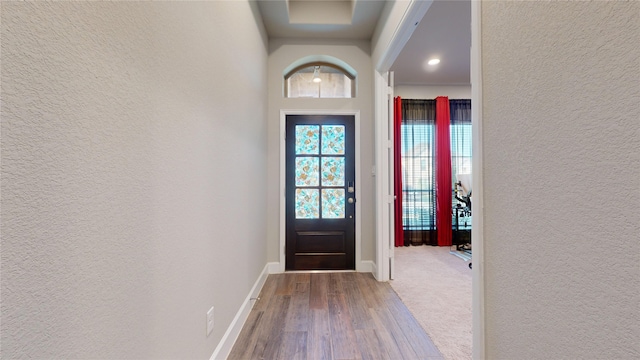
275	268
231	335
374	269
367	266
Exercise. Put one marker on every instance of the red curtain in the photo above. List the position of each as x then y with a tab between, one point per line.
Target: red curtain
397	170
443	172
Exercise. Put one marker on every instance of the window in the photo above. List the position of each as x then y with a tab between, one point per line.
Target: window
460	130
460	165
418	193
319	80
418	164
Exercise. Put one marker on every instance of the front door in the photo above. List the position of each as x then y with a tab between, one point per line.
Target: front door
320	192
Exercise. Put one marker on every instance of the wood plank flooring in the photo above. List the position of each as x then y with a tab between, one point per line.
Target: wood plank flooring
331	316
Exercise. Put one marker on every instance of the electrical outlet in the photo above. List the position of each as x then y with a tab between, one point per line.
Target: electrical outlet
209	321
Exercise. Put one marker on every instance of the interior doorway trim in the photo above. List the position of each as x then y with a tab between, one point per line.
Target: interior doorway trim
360	266
477	221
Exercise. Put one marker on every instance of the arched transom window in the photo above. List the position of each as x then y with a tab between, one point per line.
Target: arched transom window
319	80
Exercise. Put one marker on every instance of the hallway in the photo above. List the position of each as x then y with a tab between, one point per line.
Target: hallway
342	315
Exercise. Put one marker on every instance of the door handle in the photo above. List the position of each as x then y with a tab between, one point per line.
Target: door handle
351	200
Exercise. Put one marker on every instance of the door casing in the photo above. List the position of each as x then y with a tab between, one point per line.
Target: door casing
283	229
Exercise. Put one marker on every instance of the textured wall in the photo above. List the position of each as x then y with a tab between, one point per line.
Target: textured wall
561	114
133	153
282	54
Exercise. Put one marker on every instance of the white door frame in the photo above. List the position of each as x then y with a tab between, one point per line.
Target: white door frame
477	221
383	173
409	17
283	184
384	237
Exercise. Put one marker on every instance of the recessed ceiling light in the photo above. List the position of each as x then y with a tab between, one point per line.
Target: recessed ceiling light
434	62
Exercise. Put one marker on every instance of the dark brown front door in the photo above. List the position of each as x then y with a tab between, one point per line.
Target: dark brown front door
320	192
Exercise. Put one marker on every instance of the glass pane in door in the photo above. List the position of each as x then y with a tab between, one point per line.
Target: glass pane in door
333	171
333	140
307	171
307	204
333	203
307	139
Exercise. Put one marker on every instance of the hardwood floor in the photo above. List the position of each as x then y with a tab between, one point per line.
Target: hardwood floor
331	316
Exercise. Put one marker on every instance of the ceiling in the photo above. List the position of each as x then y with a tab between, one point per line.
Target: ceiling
444	32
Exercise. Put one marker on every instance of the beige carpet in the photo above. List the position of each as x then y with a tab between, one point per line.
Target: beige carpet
436	287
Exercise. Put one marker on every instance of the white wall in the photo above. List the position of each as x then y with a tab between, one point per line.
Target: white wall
133	148
561	95
398	20
284	52
431	92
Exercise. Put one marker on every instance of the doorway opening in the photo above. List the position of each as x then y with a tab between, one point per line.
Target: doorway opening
385	257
